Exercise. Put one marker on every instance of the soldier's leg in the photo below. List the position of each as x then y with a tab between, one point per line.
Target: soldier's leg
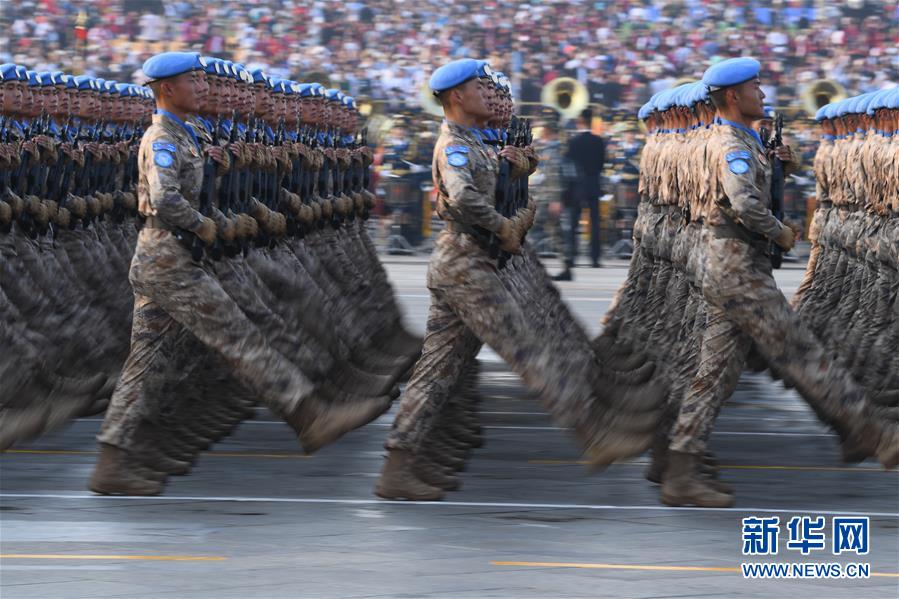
448	346
721	360
739	281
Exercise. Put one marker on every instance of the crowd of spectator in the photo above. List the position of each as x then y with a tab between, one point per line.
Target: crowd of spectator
623	50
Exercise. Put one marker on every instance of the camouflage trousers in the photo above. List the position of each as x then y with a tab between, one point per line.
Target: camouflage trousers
179	306
745	308
471	304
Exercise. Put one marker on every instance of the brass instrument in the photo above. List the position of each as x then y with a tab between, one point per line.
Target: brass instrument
566	95
821	92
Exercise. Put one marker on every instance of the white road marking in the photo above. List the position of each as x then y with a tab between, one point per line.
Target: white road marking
543	428
445	504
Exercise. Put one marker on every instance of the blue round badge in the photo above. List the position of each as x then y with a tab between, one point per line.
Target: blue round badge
163	159
738	167
457	159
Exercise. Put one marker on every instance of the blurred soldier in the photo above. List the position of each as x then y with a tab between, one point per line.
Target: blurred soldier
177	299
550	184
745	306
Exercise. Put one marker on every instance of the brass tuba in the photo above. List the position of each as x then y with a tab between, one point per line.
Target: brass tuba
821	92
568	96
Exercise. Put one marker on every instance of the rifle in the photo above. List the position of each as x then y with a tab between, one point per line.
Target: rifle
777	187
207	201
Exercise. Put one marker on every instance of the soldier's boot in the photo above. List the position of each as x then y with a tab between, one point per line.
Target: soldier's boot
178	450
435	475
398	480
683	485
349	378
446	458
318	423
149	474
115	474
872	435
159	461
658	463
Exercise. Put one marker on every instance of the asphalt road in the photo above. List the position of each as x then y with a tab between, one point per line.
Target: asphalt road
256	519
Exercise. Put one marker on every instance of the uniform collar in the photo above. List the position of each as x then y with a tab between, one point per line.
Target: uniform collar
190	132
752	132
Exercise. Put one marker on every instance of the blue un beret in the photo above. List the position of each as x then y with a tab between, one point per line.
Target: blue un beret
8	72
878	101
171	64
731	72
32	78
334	95
455	73
821	114
644	112
84	82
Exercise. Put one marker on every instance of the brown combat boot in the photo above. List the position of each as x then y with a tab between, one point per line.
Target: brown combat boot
157	460
683	485
434	475
115	474
318	423
398	481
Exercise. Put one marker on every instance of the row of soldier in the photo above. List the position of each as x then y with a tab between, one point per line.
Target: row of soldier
849	293
700	298
285	190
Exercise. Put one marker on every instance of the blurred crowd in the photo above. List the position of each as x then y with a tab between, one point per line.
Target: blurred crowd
624	50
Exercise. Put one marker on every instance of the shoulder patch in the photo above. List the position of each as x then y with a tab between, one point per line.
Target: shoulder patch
738	166
164	146
163	158
457	155
738	155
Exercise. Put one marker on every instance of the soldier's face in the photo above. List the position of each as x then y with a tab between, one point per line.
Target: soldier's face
751	99
12	97
474	98
186	91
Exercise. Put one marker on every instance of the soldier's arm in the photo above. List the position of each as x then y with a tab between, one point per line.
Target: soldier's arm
738	173
464	202
163	161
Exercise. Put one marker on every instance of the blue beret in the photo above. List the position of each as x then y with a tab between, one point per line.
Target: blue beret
841	108
700	93
84	82
455	73
8	72
241	73
769	112
485	71
653	101
644	112
171	64
259	76
32	79
683	95
878	101
665	100
820	115
213	65
830	110
49	78
731	72
334	95
109	86
68	80
864	101
892	101
349	102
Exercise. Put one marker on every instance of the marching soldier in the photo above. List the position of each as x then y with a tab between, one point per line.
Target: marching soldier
745	306
176	297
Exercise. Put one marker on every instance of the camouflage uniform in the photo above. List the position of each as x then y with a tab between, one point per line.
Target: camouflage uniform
176	298
745	305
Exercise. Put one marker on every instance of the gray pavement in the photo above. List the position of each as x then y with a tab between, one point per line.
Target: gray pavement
257	519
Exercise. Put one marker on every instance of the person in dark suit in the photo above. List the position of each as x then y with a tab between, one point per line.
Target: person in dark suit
587	152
